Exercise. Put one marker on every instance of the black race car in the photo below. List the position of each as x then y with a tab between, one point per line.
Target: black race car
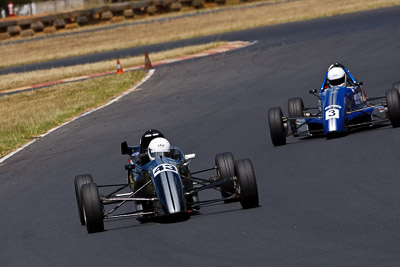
163	186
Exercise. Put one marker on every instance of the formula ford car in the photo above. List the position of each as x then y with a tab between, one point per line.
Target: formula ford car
341	108
161	186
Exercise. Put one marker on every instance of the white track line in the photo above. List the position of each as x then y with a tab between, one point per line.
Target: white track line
149	74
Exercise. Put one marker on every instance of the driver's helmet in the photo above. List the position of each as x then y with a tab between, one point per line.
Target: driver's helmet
159	147
147	137
337	77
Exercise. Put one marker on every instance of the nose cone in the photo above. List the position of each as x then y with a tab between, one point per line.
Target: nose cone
170	191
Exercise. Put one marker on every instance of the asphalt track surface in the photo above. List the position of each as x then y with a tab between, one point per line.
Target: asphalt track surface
323	202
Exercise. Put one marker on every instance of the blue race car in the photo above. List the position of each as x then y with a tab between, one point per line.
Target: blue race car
342	107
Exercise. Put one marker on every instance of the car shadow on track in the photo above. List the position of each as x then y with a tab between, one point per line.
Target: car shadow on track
169	220
295	140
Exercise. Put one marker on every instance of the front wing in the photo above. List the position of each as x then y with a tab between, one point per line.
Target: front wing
313	124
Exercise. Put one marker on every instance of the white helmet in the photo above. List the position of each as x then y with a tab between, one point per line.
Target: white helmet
337	77
159	147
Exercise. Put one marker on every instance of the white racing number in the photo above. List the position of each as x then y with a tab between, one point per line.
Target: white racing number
163	168
332	113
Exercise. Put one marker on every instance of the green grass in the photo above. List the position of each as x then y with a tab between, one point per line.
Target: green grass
30	114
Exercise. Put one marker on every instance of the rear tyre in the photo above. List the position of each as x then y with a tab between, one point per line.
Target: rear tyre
92	208
248	184
296	107
295	110
276	126
393	107
79	181
226	170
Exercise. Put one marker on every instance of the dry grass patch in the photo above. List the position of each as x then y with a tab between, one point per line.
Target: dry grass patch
17	80
182	28
28	115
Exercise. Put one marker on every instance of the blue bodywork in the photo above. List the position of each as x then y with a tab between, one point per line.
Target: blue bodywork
166	183
340	109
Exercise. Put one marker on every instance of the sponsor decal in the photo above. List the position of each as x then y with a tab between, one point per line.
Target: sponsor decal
333	106
163	168
152	135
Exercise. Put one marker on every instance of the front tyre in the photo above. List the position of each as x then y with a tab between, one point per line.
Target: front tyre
393	107
92	208
79	181
248	184
276	126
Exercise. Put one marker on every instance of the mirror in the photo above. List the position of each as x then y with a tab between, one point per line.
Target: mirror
189	157
124	148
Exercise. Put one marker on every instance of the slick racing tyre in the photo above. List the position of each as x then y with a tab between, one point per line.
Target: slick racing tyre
296	107
79	181
276	126
248	184
226	170
295	110
393	106
92	208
